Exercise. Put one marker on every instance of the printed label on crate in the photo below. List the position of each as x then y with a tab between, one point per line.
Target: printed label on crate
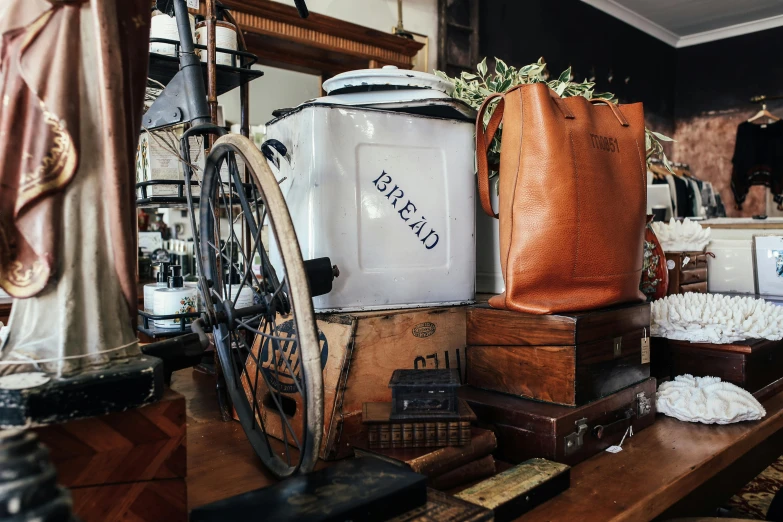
280	357
424	329
441	359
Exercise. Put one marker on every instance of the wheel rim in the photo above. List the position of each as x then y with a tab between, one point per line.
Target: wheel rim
271	358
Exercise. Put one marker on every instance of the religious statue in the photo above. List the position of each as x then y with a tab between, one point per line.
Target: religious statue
72	81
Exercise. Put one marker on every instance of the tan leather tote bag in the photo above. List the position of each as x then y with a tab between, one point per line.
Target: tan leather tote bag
572	199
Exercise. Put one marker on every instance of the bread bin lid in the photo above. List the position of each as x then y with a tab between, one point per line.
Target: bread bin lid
391	89
387	79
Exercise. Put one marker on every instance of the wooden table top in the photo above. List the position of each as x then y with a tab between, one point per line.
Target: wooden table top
657	467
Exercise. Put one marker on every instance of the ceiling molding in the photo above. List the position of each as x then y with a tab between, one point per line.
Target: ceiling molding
729	31
638	21
635	20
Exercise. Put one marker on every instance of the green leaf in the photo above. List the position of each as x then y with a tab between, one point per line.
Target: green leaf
468	76
661	136
500	66
565	76
482	67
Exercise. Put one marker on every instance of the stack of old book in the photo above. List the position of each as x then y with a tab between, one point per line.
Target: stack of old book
427	428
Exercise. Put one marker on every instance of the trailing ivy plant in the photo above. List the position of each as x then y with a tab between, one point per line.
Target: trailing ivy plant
473	89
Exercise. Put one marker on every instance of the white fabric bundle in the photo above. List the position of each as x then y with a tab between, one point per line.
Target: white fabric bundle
714	318
681	236
707	400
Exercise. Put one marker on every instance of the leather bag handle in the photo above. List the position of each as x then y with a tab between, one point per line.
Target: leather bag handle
615	109
483	141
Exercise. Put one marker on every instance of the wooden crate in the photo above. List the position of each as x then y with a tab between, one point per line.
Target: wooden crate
360	351
570	358
124	466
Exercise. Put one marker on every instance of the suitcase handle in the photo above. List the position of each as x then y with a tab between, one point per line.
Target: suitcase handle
603	430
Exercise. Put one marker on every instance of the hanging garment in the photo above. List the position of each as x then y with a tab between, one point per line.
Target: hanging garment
698	209
673	190
758	160
684	197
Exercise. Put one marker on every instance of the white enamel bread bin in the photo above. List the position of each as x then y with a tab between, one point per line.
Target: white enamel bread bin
385	189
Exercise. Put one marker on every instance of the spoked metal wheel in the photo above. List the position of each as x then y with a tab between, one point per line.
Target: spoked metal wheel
263	323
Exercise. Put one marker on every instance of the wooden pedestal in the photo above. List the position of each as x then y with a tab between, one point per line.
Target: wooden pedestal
751	364
568	359
128	466
359	353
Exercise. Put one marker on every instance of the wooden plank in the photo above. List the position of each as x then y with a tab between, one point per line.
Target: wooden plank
151	501
657	468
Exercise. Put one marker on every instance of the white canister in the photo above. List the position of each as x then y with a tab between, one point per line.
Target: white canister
175	299
225	38
387	194
165	26
194	285
245	298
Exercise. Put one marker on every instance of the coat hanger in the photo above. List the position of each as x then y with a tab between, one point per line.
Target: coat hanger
763	113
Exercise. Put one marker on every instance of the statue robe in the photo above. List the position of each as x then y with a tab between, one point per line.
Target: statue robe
72	79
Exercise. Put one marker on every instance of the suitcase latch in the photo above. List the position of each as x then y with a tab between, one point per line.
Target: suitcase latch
617	344
575	440
643	405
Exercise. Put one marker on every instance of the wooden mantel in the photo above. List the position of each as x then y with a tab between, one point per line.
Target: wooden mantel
318	44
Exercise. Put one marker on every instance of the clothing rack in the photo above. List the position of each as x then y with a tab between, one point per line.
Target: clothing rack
763	98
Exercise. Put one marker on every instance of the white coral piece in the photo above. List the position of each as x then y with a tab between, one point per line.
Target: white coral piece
707	400
681	236
714	318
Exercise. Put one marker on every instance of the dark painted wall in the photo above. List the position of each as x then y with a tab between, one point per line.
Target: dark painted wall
697	94
725	74
570	32
715	82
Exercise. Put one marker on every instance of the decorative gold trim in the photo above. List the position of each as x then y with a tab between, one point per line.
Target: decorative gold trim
55	169
18	281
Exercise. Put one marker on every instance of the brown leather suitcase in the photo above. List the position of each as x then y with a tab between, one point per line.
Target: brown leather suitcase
528	429
568	358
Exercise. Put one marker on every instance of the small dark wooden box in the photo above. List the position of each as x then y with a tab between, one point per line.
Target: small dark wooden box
364	489
568	359
751	364
528	429
424	393
689	273
516	491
